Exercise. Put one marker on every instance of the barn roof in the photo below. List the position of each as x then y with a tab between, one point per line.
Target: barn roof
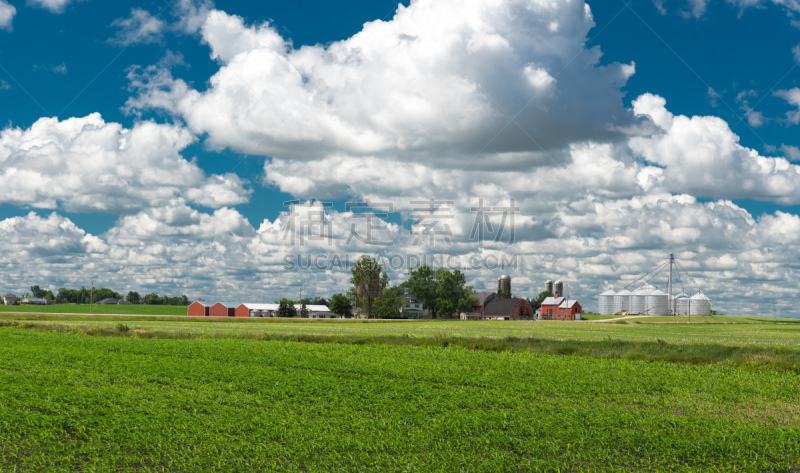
482	296
500	306
202	303
567	304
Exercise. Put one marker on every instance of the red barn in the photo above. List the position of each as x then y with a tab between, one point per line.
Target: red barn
559	308
199	309
222	309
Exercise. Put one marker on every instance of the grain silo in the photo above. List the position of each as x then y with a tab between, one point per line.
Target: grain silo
657	303
504	285
682	304
606	302
548	286
622	301
559	292
639	299
699	304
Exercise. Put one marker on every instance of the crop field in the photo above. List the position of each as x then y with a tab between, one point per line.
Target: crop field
728	330
74	402
96	309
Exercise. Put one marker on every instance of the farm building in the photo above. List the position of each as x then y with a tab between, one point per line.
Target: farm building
222	309
490	306
110	301
559	308
412	308
271	310
199	309
10	299
36	301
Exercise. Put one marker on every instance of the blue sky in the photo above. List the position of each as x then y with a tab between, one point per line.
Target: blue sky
706	59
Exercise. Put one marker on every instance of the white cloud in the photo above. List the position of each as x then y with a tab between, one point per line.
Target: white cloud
7	12
701	156
4	85
191	14
139	27
697	8
796	54
55	6
60	69
792	96
86	164
437	82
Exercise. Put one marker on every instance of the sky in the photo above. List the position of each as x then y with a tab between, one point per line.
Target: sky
243	151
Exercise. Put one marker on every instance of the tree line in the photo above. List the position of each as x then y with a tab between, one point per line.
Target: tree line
86	296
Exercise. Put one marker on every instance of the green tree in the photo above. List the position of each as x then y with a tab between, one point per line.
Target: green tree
133	297
303	310
286	308
340	304
153	299
36	291
443	292
368	281
388	303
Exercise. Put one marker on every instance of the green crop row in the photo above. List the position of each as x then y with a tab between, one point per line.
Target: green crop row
72	402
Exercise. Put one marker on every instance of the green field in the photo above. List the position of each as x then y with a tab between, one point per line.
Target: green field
97	309
103	393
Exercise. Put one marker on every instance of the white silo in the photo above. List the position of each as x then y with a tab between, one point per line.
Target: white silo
606	302
622	301
699	304
682	304
639	299
548	286
559	289
657	303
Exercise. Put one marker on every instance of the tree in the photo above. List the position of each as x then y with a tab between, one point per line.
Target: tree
536	304
388	304
340	304
303	310
133	297
153	299
36	291
368	281
314	301
443	292
286	308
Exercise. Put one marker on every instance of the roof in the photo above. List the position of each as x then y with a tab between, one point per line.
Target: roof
229	305
107	301
9	295
411	299
203	303
505	277
500	306
609	293
259	306
482	297
566	304
552	301
699	297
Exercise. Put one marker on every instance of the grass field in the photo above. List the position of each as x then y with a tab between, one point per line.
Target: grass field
97	309
110	393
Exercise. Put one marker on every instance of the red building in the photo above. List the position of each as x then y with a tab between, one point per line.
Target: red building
222	309
559	308
490	306
199	309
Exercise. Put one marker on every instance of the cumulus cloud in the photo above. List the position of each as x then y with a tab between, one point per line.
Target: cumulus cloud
55	6
701	156
7	12
792	96
191	14
440	81
87	164
139	27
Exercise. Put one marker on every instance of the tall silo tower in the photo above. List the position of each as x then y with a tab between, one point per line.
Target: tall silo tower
548	286
504	285
559	292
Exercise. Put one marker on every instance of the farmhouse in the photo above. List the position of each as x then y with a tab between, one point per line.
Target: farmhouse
36	301
559	308
10	299
412	308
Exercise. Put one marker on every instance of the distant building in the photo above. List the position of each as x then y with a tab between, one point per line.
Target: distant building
222	309
490	306
249	309
10	299
34	301
413	308
199	309
559	308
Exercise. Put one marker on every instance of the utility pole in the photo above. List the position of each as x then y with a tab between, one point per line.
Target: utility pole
669	286
91	296
774	309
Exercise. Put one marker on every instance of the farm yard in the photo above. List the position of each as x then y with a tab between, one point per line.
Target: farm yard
109	393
